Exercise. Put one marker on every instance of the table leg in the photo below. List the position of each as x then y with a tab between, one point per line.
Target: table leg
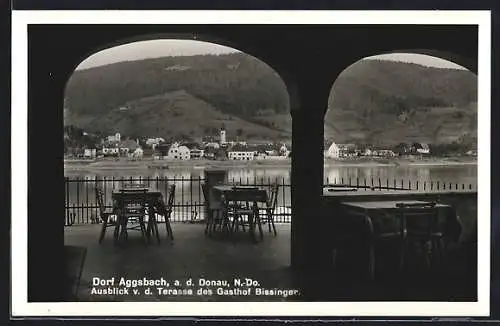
123	236
155	225
152	223
371	248
251	226
116	233
257	218
149	226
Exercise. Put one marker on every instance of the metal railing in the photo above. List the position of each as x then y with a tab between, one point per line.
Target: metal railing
81	205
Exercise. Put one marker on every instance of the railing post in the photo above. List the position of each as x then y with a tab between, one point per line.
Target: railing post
77	195
87	199
66	208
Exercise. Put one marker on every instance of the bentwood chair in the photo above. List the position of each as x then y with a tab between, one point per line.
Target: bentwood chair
420	223
387	228
213	215
267	213
132	217
242	208
107	217
216	220
165	210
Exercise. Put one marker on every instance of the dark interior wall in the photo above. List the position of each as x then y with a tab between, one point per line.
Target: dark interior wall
45	172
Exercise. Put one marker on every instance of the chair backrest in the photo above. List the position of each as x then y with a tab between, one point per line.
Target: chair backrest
273	198
421	218
99	194
204	189
171	197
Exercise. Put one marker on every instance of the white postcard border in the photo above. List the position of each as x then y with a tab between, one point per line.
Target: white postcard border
19	143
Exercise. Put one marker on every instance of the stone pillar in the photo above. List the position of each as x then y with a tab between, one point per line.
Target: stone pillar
309	233
46	260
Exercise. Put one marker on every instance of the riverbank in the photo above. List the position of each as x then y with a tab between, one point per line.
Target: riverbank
150	164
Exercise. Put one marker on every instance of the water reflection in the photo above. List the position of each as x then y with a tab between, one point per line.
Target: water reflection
456	174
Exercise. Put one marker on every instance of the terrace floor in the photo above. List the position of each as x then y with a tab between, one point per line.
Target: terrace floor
194	256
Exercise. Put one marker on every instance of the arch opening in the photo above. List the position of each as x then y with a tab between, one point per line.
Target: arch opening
389	113
190	108
180	90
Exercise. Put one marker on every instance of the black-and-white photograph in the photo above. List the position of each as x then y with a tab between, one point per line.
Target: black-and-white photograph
272	161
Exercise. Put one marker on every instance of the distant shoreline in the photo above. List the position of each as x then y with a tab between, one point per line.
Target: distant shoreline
150	164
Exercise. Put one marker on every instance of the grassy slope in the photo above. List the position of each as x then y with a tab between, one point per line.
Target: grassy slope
371	102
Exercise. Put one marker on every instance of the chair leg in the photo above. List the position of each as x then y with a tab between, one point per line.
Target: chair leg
103	230
271	218
442	251
371	262
149	228
243	225
225	224
438	252
427	248
259	224
116	233
213	223
144	231
402	255
157	232
234	224
170	234
123	235
207	224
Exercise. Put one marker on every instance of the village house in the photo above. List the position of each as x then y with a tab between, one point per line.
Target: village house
347	150
110	150
242	153
179	152
472	151
127	147
90	153
137	153
385	153
213	145
209	153
116	138
341	150
333	151
196	153
153	142
284	151
420	148
162	150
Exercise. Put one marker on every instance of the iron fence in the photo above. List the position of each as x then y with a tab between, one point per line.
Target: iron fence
81	205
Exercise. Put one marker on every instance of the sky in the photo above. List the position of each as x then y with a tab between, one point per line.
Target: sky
162	48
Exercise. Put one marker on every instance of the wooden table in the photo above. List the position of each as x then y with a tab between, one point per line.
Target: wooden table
369	209
385	212
339	189
152	199
221	195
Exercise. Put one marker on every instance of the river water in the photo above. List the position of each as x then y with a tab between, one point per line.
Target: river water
188	180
